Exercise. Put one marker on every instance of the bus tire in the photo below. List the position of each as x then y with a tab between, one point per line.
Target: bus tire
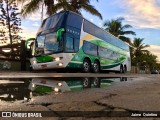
86	83
86	66
121	69
96	67
96	82
125	68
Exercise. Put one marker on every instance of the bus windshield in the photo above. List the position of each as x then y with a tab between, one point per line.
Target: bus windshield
47	44
54	21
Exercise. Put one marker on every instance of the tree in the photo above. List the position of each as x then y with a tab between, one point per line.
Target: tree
10	21
73	5
149	60
116	28
3	38
77	5
138	51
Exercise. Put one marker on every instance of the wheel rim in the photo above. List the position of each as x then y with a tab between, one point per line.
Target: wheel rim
95	82
86	66
86	82
96	67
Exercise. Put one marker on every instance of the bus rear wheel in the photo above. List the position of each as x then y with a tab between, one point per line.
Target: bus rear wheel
86	66
125	69
121	69
96	67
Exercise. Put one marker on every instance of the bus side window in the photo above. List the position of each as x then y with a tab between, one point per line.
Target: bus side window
89	48
69	47
76	45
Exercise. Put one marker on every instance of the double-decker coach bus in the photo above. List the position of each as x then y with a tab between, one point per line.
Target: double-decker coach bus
67	40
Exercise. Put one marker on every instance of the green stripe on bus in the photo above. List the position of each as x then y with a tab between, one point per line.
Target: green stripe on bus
44	58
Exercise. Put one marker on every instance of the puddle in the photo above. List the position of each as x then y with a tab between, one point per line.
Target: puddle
26	88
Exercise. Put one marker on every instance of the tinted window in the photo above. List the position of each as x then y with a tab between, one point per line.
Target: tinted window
89	48
51	22
40	45
96	31
76	45
56	19
40	40
103	52
74	20
47	24
89	27
106	53
51	44
69	44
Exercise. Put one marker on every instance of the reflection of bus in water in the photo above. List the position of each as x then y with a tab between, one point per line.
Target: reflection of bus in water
44	85
67	40
13	90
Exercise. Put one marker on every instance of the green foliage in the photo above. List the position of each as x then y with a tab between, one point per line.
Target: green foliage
116	28
10	22
72	5
31	6
3	38
149	60
77	6
142	57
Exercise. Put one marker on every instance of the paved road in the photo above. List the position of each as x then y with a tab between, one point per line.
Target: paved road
140	94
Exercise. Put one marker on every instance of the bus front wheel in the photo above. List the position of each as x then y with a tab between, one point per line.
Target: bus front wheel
96	67
86	66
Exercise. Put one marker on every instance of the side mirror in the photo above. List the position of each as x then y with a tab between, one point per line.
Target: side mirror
28	42
29	51
29	46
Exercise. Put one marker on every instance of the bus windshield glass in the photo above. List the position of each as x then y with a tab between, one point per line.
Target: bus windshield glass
54	21
47	44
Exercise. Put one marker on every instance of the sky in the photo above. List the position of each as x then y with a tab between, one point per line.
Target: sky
142	15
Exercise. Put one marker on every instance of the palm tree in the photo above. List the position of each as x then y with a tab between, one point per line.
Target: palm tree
116	28
77	6
33	5
150	60
73	5
139	50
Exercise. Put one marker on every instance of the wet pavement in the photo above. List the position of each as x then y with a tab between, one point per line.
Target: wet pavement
14	89
73	97
40	74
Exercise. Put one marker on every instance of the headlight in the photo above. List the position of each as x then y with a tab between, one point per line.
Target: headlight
56	89
34	62
60	64
57	59
33	85
59	84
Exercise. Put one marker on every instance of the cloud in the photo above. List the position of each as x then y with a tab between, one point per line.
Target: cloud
141	13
